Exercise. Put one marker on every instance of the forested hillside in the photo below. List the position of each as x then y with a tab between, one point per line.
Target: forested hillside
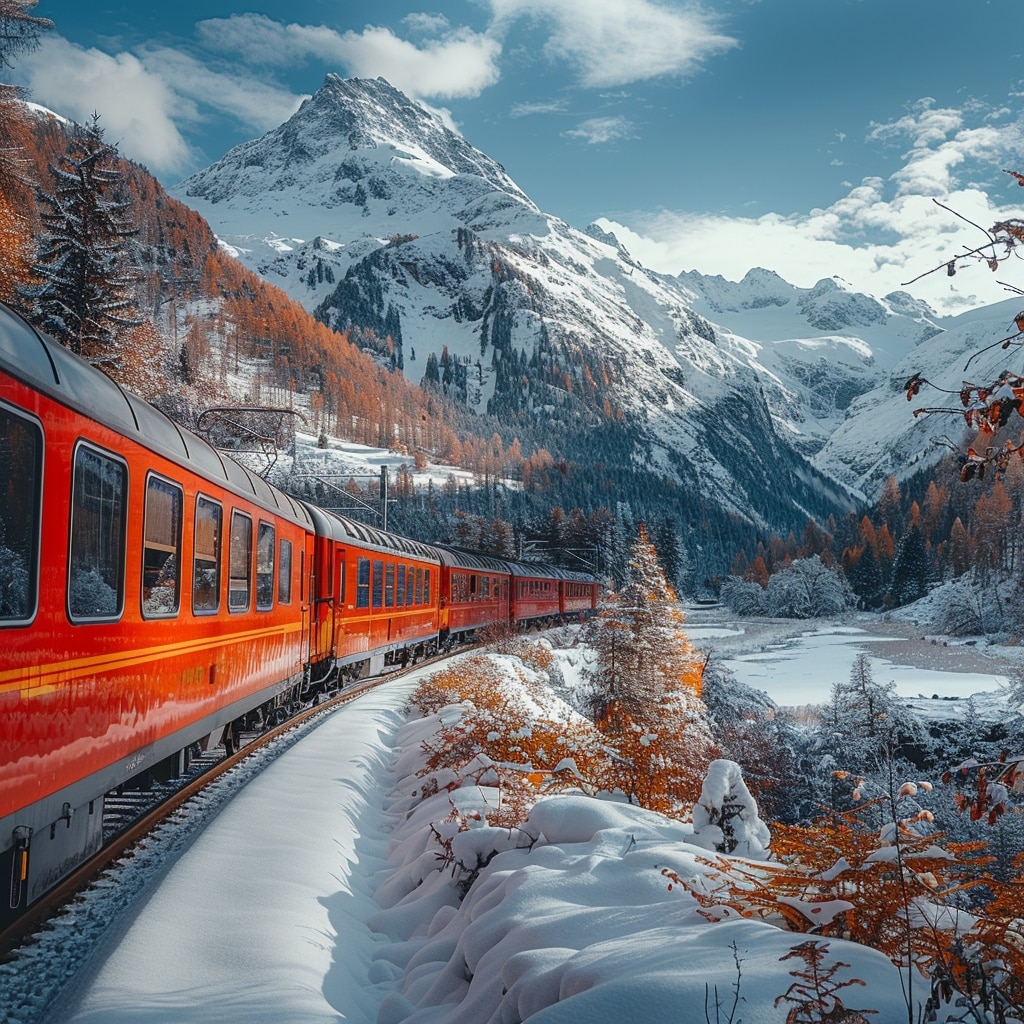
188	327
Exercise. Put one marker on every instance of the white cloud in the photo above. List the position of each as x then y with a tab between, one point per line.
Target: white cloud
252	100
429	24
462	63
598	130
456	63
137	108
615	42
142	98
878	236
528	109
939	143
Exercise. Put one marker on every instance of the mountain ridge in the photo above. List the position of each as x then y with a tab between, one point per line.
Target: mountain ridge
369	211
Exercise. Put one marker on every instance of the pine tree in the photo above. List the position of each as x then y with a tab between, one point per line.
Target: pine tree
910	570
641	649
864	720
83	258
19	30
865	577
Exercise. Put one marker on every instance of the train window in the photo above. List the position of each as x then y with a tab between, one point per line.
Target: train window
98	526
389	585
266	543
378	583
206	556
400	587
363	584
419	586
161	548
426	586
410	586
21	485
284	573
239	562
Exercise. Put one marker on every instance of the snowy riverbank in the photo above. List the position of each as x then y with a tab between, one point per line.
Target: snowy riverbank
796	661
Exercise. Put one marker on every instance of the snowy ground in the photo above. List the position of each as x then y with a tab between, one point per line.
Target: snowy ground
315	894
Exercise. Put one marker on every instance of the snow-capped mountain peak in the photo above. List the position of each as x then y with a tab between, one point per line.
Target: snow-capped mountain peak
366	208
357	158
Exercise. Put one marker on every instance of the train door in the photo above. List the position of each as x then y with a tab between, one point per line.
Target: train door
306	597
338	594
314	584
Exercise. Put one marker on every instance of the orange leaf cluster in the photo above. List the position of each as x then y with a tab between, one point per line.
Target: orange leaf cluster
840	859
503	737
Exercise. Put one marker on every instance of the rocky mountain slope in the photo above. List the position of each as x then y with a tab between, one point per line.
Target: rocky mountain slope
753	397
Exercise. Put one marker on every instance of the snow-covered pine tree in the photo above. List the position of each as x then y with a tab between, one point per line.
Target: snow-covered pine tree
19	30
864	721
725	817
646	690
84	263
642	651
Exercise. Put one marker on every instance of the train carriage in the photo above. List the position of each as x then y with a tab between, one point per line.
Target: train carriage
476	591
150	592
577	595
376	598
536	592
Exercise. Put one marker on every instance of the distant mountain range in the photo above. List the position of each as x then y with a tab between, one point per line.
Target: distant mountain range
761	400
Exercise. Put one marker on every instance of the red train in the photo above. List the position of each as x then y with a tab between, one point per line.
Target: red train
152	591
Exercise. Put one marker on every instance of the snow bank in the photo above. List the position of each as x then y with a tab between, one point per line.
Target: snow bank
577	915
581	925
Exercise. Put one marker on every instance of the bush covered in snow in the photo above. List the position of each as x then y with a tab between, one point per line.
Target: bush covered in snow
804	589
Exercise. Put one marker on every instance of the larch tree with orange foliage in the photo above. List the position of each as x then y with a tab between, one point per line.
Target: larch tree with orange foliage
19	33
645	690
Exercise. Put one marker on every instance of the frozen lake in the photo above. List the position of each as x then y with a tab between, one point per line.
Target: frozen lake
801	669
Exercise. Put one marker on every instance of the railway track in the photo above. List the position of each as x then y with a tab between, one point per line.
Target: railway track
134	816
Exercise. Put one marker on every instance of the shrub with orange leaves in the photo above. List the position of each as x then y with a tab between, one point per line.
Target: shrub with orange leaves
813	993
985	964
503	735
896	883
508	731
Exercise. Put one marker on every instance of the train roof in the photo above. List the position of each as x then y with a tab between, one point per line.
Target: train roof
542	570
457	558
348	531
40	362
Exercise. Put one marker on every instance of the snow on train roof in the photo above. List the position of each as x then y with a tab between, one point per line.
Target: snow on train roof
39	361
339	528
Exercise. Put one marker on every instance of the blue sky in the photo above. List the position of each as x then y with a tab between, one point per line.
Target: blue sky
806	136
